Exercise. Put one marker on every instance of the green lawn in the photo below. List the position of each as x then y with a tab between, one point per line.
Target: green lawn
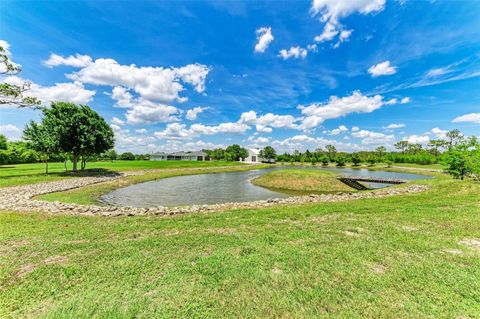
21	174
411	256
302	180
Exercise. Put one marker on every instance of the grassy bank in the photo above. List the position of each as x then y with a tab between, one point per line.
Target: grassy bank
91	194
412	256
303	180
21	174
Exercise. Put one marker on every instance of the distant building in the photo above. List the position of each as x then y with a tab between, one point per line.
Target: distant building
180	156
253	156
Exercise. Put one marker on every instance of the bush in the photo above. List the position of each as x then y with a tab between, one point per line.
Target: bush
127	156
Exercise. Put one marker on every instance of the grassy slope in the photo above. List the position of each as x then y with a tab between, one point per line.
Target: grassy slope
397	257
91	194
21	174
302	180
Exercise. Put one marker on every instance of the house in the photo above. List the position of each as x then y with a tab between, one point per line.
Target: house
180	156
253	156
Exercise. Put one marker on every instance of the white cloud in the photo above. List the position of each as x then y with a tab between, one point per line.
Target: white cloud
78	61
468	118
391	102
317	113
304	142
442	134
383	68
264	123
369	137
259	140
331	11
355	129
339	130
117	121
122	96
155	84
394	126
12	132
193	113
264	38
141	130
405	100
180	131
6	48
417	139
293	52
66	92
151	113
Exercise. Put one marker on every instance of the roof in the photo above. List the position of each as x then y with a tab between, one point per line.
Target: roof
253	151
181	153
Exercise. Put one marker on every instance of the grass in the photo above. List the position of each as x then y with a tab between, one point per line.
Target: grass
22	174
303	180
411	256
90	194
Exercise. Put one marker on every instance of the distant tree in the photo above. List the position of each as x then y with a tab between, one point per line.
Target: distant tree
435	145
324	160
13	93
42	139
356	159
268	153
454	137
414	148
3	142
463	159
111	155
127	156
217	154
401	146
235	153
381	150
371	160
341	160
331	152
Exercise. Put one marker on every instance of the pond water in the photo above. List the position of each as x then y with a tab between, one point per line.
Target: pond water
219	188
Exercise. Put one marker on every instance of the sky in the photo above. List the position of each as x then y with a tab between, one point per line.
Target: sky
295	75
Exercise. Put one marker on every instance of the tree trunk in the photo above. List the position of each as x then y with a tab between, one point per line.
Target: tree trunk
74	162
46	167
65	164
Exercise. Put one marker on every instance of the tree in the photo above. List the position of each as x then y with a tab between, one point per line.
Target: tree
414	148
235	153
78	130
435	145
331	152
127	156
463	159
454	138
340	159
268	153
111	155
3	142
402	146
42	139
356	159
217	154
381	150
13	93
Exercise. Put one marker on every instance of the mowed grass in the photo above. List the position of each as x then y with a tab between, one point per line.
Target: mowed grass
21	174
304	180
410	256
91	194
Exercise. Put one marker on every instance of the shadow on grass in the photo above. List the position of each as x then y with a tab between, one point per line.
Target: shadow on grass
88	172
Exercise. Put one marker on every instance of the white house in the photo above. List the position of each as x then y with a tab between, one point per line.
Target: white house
253	156
180	156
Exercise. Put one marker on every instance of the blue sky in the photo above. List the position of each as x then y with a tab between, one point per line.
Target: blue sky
294	74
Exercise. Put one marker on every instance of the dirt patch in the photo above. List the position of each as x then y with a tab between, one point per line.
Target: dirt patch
25	269
471	242
379	269
409	228
18	244
453	251
55	260
351	233
221	231
325	218
276	270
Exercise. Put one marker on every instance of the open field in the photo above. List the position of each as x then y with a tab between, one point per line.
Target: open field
405	256
302	180
21	174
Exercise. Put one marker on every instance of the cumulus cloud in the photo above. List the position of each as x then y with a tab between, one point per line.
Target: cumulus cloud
151	113
394	126
303	142
336	107
12	132
369	137
468	118
264	38
339	130
265	123
405	100
439	133
293	52
383	68
68	92
331	11
77	61
141	130
117	121
417	139
193	113
179	131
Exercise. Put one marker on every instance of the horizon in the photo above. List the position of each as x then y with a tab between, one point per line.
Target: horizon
202	75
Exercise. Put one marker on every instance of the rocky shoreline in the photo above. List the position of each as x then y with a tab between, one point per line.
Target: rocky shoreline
20	198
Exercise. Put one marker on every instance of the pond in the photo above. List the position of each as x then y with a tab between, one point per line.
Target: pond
219	188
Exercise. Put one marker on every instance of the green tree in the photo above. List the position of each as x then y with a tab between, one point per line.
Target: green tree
331	152
268	153
235	153
3	142
402	146
356	159
435	145
454	137
381	150
341	160
12	93
414	148
127	156
78	130
463	159
42	139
